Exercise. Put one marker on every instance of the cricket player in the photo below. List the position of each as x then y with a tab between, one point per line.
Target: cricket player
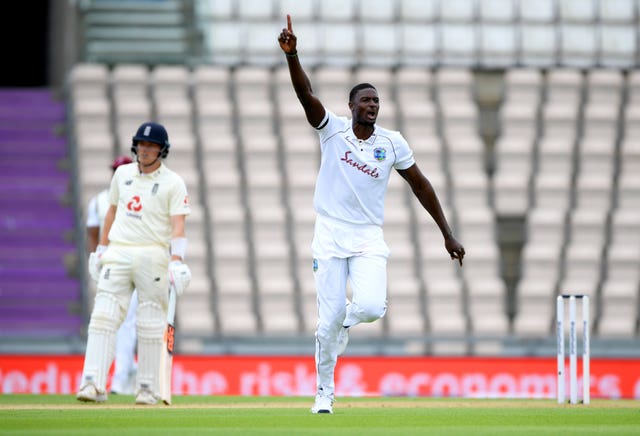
142	247
123	381
348	243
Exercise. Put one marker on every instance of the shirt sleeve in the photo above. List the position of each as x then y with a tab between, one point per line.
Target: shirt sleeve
114	192
93	220
179	199
404	154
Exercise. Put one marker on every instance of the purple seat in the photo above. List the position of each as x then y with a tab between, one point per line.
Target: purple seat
37	297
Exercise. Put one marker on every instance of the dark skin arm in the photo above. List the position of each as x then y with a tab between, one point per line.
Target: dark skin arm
93	234
313	108
424	192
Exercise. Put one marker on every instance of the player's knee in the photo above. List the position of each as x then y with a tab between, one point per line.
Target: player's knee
372	311
150	320
107	313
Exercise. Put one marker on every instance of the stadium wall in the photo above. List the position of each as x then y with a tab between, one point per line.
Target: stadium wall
466	377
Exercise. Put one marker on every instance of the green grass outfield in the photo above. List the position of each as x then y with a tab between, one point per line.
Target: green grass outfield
203	415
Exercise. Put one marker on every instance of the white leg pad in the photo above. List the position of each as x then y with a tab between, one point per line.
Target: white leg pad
151	320
105	319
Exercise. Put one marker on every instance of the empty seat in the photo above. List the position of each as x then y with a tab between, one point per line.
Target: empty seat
578	44
618	45
498	45
459	44
539	46
417	44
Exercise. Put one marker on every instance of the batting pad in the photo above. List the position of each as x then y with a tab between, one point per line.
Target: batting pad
101	343
150	322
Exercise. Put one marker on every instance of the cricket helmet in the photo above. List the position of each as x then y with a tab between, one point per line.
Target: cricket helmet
152	132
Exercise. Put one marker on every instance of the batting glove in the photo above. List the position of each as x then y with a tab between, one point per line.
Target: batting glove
95	262
179	276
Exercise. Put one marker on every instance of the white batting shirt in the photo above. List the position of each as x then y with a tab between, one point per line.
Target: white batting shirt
353	176
97	209
145	203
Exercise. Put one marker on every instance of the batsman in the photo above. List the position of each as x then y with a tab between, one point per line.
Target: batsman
142	247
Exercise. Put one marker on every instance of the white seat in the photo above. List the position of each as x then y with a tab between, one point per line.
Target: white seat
497	44
379	43
218	10
497	11
404	316
421	11
618	46
378	11
87	80
255	10
594	191
300	11
459	43
259	48
615	12
538	11
224	41
130	79
338	43
539	45
577	11
170	80
578	45
587	226
457	11
336	10
417	44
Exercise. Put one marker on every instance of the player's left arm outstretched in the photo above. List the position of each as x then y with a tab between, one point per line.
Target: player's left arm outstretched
424	192
313	108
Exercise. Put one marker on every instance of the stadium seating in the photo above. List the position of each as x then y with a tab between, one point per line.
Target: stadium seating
563	159
39	295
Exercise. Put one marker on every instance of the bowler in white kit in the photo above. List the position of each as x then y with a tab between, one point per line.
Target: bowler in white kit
358	157
142	247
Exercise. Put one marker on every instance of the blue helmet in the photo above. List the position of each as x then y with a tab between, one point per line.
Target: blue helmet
152	132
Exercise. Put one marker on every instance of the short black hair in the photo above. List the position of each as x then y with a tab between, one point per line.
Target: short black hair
358	87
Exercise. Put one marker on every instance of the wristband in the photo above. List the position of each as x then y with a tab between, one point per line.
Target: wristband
292	55
178	246
100	249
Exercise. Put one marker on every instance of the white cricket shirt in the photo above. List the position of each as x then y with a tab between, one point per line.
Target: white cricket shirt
97	209
145	203
354	174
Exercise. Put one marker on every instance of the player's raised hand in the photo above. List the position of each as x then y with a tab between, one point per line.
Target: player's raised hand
455	249
287	39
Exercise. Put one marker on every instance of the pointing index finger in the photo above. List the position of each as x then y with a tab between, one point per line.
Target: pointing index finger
289	23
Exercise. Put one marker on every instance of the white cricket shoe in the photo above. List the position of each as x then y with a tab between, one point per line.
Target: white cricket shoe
90	394
323	404
343	340
146	397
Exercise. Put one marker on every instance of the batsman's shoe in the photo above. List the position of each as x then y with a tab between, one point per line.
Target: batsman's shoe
323	404
146	397
343	340
89	393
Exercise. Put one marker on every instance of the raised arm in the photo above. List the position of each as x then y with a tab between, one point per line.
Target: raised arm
312	106
424	192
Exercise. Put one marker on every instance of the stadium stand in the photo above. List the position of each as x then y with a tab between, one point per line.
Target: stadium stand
39	294
561	159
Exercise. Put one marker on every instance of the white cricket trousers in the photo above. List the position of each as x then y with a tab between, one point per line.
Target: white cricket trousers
124	268
342	252
125	360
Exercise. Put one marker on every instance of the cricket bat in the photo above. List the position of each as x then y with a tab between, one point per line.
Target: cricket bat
168	342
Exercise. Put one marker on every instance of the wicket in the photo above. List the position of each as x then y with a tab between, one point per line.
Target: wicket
573	349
